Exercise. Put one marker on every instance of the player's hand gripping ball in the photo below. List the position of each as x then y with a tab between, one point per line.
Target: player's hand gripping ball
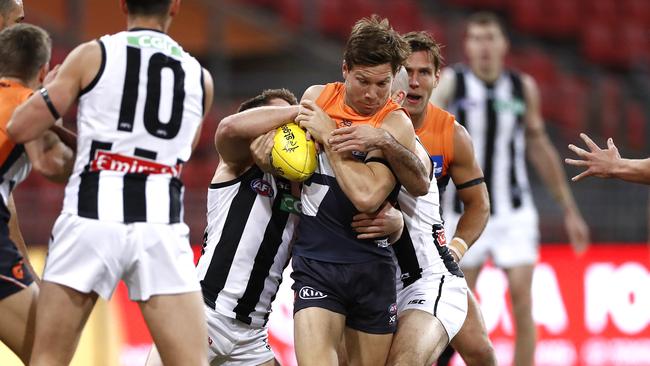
293	156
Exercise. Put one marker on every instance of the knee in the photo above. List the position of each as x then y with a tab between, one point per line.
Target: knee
406	359
480	356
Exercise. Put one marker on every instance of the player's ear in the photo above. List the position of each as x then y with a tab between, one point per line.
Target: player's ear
175	7
43	72
123	6
345	70
399	96
436	79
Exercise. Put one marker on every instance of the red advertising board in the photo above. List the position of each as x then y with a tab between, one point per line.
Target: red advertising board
590	310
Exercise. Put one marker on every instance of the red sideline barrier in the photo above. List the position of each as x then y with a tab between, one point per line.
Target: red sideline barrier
590	310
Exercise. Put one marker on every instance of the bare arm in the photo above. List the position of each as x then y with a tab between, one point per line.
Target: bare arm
240	129
464	170
544	157
367	185
208	86
33	117
443	92
16	235
608	163
408	168
68	137
51	157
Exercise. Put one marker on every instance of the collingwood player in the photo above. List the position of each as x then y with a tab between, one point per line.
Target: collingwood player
241	265
251	216
500	109
141	103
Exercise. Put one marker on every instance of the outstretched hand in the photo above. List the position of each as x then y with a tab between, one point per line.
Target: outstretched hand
598	162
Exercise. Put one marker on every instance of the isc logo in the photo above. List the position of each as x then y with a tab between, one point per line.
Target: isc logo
417	302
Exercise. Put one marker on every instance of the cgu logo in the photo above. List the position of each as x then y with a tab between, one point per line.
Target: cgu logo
308	293
262	187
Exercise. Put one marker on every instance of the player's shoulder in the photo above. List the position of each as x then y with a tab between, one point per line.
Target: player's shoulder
439	118
313	92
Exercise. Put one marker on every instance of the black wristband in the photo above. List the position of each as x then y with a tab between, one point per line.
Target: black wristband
471	183
50	105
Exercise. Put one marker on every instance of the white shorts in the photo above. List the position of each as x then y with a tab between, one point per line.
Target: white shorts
231	342
510	241
93	256
442	295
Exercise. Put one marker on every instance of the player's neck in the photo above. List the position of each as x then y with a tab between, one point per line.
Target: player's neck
488	76
153	23
418	119
34	84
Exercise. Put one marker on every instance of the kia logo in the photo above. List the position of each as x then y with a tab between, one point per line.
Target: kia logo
308	293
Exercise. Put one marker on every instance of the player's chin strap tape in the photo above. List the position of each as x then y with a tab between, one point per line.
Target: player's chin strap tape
471	183
380	161
50	105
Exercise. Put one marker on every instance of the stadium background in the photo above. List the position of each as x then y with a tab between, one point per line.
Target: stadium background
591	59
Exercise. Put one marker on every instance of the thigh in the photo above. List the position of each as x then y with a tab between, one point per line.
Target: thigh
372	298
317	333
178	327
60	317
162	262
519	242
14	275
520	280
442	295
318	284
18	316
472	341
252	348
419	340
366	349
86	255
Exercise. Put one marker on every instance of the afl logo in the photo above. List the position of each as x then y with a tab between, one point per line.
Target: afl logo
262	187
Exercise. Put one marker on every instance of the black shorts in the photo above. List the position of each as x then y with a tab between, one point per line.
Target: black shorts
363	292
14	275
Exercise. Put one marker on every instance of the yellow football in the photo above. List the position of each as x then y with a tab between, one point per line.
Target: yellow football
293	156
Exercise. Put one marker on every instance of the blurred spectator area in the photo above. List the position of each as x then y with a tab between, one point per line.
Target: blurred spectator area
590	58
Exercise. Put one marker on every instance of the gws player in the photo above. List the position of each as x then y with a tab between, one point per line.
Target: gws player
24	62
344	285
431	291
122	212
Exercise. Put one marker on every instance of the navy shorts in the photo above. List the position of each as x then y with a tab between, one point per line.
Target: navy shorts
363	292
14	275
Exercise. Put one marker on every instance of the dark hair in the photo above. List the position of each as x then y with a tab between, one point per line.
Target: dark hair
148	7
25	49
266	97
423	41
486	18
374	42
